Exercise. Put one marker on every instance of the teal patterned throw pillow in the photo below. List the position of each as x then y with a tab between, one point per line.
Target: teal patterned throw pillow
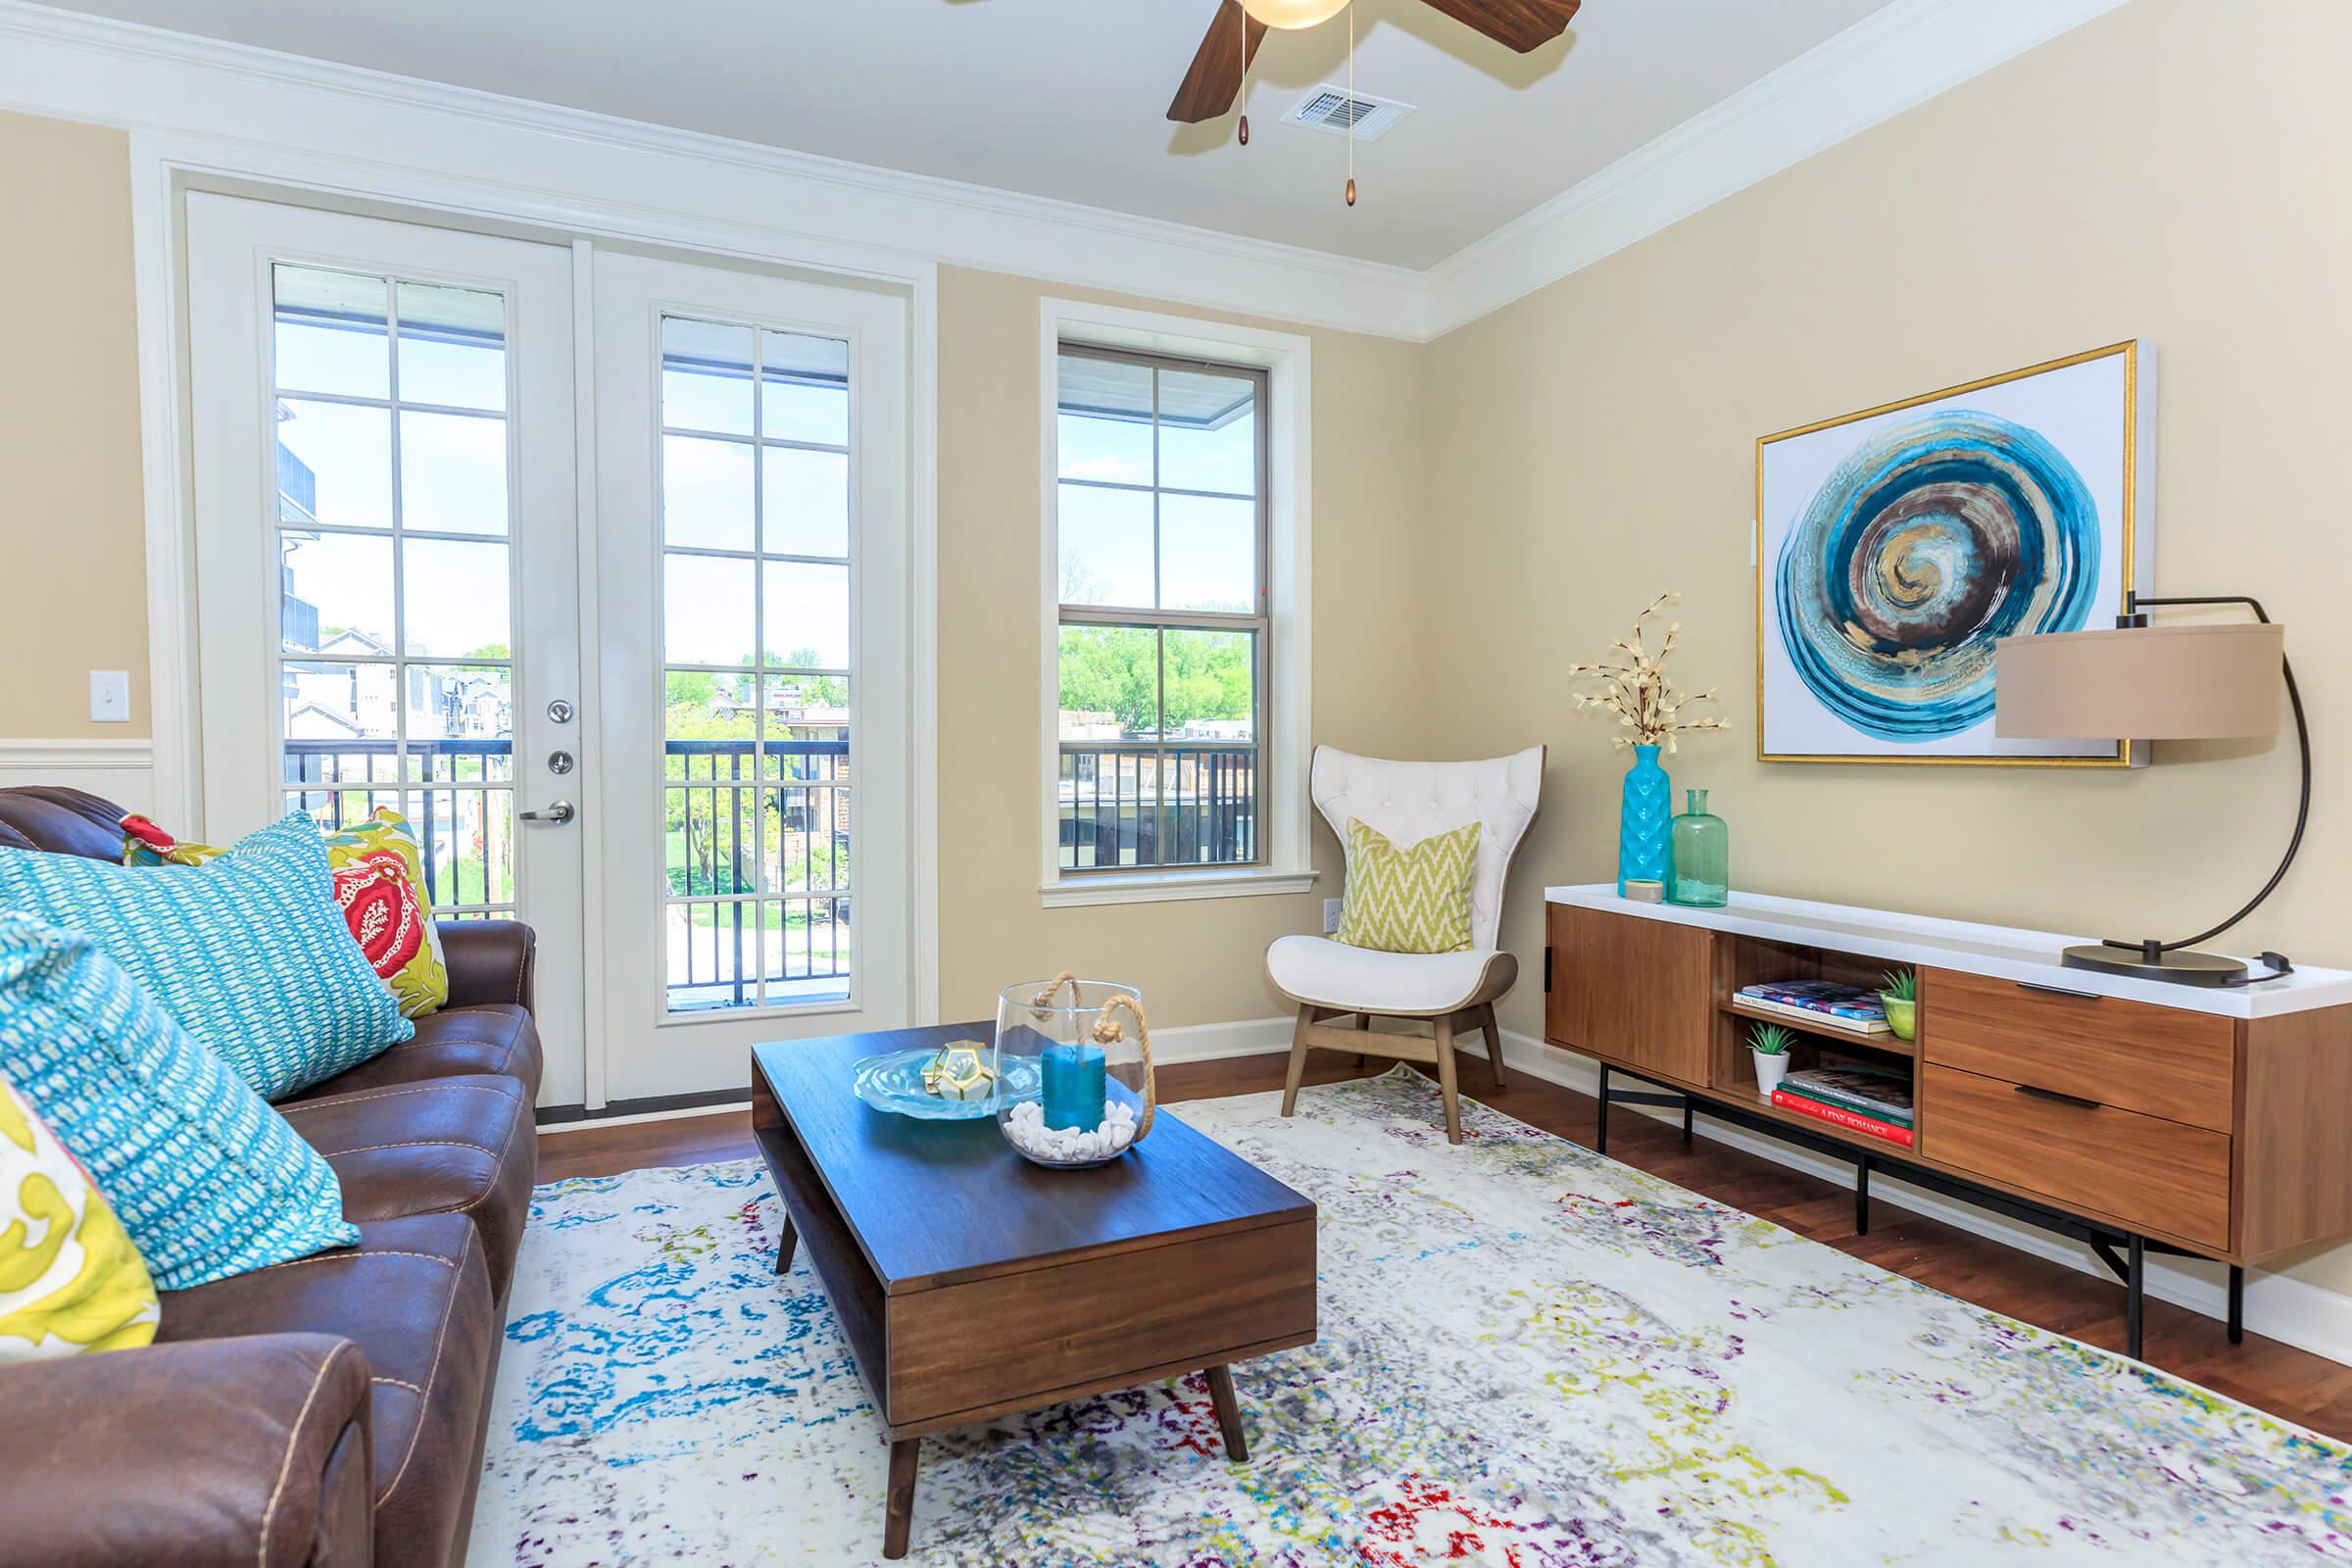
207	1180
249	952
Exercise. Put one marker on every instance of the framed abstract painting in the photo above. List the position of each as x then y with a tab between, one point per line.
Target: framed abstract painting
1895	546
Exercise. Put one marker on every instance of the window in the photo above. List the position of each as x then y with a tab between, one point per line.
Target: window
1160	529
755	665
392	509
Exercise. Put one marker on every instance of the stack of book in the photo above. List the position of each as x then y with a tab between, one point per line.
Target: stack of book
1864	1100
1820	1005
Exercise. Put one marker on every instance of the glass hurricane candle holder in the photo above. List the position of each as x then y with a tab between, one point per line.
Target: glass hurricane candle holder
1073	1070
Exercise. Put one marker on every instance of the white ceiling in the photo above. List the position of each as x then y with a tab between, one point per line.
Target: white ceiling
1067	98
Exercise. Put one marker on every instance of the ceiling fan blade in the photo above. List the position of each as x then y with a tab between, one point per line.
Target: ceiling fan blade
1215	77
1522	26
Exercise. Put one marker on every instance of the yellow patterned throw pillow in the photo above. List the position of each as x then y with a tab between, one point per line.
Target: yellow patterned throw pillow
69	1279
1415	900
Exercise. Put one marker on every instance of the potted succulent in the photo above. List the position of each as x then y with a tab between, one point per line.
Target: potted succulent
1767	1044
1900	995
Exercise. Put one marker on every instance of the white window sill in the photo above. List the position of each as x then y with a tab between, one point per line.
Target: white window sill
1168	887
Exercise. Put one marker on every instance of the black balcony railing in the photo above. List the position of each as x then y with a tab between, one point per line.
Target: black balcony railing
1140	804
725	814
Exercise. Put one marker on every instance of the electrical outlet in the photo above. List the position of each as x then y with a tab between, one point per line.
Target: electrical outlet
110	696
1331	916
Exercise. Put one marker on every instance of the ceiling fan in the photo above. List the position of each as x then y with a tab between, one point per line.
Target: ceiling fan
1215	77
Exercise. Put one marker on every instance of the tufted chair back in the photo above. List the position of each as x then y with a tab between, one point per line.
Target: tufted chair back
1407	801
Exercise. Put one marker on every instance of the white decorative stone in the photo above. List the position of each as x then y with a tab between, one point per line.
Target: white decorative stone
1026	1130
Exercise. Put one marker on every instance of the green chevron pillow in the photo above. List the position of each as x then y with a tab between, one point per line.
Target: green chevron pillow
1408	901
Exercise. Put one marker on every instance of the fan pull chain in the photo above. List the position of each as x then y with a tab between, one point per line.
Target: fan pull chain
1351	103
1241	94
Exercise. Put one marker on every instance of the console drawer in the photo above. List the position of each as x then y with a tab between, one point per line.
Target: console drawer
2152	1174
2164	1061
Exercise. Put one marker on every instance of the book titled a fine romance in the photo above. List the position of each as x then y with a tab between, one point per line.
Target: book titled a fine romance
1846	1006
1851	1122
1867	1090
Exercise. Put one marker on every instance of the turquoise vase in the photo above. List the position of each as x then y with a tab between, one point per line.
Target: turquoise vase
1644	835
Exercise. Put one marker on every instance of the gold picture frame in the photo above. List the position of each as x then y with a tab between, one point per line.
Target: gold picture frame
2134	484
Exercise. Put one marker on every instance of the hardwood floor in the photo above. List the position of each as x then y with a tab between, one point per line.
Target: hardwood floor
2263	1373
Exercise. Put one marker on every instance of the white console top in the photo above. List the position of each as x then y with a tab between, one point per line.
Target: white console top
2006	951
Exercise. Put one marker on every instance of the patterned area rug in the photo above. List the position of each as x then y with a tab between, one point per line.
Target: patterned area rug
1531	1357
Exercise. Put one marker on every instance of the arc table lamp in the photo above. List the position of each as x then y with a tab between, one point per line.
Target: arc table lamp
2159	683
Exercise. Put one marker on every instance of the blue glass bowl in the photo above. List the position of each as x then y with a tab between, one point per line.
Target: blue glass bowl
893	1082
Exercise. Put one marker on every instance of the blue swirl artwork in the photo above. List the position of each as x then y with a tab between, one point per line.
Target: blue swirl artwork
1931	539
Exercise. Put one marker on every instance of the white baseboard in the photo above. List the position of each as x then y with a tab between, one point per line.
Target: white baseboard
121	771
1207	1041
2279	1306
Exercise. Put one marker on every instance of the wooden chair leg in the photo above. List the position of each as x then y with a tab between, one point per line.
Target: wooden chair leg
1290	1086
1494	1033
1445	1082
1363	1021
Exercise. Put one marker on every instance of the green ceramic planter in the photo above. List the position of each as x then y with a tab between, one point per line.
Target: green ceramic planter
1902	1017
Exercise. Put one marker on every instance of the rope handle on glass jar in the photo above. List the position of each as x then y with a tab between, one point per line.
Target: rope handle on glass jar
1108	1031
1043	999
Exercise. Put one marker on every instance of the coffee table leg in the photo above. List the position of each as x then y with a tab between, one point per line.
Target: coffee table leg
1228	1413
784	1246
901	1508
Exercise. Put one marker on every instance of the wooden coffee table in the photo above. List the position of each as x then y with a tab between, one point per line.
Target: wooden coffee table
971	1283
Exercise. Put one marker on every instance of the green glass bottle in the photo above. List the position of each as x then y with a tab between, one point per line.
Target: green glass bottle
1702	856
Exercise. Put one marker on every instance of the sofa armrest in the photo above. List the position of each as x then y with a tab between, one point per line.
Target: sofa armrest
237	1452
490	963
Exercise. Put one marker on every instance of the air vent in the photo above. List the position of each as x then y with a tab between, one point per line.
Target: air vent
1340	112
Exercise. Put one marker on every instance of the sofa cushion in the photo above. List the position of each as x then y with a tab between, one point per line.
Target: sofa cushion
459	1145
456	1043
61	821
415	1297
249	952
70	1280
207	1180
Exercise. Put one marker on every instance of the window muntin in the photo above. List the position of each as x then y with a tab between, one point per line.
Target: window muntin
1161	544
755	667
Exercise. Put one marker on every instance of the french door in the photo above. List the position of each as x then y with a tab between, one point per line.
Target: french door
386	549
752	562
707	815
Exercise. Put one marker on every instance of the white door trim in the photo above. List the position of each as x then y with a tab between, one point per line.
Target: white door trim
166	165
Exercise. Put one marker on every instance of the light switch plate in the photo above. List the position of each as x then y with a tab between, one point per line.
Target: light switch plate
110	696
1331	916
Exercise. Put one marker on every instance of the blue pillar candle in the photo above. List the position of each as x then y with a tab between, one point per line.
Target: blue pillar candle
1074	1089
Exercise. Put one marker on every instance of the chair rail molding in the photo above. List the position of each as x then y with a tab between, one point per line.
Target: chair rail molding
121	771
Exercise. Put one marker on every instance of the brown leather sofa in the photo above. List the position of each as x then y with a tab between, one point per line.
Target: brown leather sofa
329	1411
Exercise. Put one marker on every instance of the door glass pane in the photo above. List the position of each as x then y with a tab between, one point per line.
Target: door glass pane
784	492
460	722
453	473
334	716
709	612
454	599
335	593
467	838
453	347
1208	432
1208	553
805	501
707	493
328	332
334	463
706	376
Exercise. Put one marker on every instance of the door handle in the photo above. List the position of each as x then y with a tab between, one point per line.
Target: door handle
559	814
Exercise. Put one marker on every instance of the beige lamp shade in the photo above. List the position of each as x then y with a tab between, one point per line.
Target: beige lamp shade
1293	14
2143	683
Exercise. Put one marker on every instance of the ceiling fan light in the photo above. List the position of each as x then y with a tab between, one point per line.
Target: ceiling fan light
1293	14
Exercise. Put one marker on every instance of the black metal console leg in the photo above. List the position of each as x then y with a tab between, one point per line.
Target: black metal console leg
1686	1124
1862	1195
2237	1305
1600	1141
2136	1271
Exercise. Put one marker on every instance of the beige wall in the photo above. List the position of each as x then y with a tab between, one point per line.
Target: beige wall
72	579
1196	962
2148	176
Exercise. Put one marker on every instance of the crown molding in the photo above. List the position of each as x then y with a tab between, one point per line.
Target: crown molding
1892	60
373	132
394	137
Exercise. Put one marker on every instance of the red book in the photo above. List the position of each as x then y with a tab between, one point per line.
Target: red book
1851	1120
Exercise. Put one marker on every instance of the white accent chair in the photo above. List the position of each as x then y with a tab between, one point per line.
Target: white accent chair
1407	801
